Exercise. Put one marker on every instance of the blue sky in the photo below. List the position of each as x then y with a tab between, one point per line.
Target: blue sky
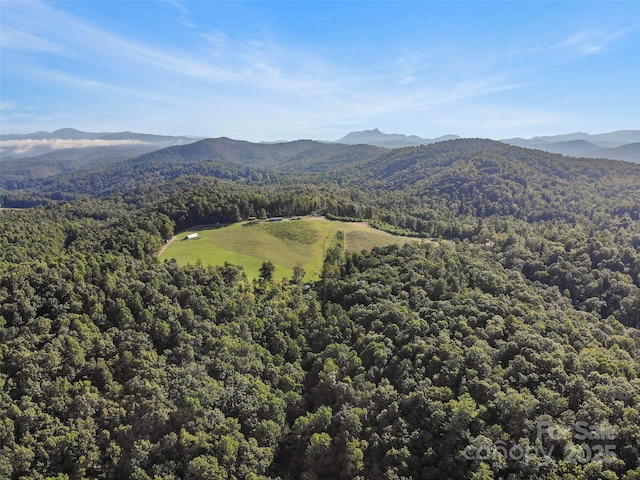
286	70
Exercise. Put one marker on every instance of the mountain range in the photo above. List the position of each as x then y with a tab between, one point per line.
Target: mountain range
427	166
619	145
46	154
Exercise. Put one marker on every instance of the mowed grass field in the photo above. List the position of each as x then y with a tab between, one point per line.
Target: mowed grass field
286	244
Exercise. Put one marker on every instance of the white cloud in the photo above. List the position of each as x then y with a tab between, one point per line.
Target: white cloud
593	41
26	145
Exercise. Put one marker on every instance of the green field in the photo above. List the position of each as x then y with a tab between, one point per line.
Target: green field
287	244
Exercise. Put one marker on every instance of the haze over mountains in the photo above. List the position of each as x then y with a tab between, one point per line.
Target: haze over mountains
65	143
619	145
44	154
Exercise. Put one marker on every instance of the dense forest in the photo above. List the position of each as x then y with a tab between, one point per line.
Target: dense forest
508	347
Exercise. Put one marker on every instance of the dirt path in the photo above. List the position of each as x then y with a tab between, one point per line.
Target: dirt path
164	247
192	229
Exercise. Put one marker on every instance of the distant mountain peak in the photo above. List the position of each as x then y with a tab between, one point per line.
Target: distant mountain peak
388	140
62	131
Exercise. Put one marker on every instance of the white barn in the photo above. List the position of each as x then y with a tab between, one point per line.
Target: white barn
191	236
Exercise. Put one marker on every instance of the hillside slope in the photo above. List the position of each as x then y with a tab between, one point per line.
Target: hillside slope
490	177
287	244
220	158
429	361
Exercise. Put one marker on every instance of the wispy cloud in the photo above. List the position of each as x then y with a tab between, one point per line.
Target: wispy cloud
37	25
205	77
185	13
593	41
79	82
178	5
257	62
423	98
584	43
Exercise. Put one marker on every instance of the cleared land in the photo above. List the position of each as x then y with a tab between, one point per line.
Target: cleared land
288	243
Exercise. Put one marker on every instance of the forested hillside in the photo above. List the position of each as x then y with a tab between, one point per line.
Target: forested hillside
506	348
220	157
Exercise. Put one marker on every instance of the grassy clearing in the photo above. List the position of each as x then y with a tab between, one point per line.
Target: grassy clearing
287	244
